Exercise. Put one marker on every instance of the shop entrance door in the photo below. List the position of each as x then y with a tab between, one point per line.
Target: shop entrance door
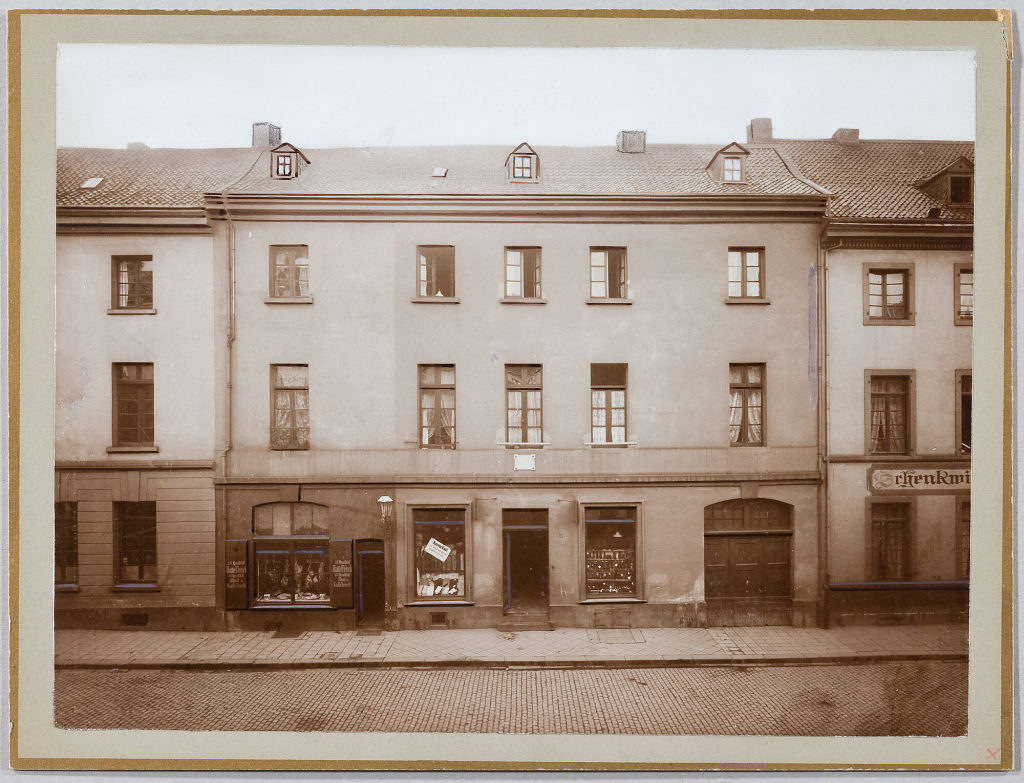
370	565
525	539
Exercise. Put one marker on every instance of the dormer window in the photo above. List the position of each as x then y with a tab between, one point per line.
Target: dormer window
283	165
960	189
287	161
523	164
729	164
732	169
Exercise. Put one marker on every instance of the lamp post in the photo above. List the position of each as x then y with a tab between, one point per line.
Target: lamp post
387	518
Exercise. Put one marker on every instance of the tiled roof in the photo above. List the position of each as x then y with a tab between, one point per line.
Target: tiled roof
146	177
875	179
870	179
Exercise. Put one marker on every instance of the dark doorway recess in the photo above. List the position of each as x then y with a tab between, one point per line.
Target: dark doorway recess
370	584
525	539
748	563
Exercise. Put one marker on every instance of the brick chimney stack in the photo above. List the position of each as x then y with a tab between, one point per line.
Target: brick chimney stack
847	135
760	129
631	141
265	134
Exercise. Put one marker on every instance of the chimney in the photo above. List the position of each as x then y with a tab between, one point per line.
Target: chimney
760	129
631	141
136	145
847	135
264	134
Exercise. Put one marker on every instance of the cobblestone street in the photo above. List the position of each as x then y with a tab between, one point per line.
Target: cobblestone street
892	699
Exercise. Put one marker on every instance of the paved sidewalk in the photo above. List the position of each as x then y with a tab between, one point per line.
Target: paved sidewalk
489	648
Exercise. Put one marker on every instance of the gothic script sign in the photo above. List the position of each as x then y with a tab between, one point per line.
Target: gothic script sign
919	479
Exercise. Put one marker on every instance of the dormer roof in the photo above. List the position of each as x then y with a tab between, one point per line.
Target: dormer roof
522	149
286	147
729	149
962	165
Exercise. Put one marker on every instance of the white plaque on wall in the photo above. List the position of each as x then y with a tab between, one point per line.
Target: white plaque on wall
524	462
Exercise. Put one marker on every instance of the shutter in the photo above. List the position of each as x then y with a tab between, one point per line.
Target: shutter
236	574
340	555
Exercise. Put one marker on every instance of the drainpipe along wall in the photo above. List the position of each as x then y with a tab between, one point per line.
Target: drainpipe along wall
823	442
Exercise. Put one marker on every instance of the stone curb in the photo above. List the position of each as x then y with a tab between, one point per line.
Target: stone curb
525	663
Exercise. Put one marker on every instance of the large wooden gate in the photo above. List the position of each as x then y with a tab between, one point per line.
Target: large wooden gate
748	562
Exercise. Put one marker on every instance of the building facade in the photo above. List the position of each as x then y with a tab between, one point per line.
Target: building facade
512	387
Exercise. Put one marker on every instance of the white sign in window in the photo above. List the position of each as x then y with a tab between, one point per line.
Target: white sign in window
437	549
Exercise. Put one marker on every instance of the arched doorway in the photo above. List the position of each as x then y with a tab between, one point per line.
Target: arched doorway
748	575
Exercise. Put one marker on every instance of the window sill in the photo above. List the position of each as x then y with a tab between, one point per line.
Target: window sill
132	449
290	448
611	445
288	300
608	301
462	602
747	300
509	445
624	600
963	322
131	311
290	607
747	445
435	300
888	322
523	300
140	587
438	448
68	588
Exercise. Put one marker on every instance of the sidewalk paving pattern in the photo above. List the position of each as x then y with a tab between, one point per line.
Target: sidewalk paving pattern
563	647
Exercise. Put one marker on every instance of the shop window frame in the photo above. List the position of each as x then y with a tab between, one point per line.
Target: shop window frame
412	597
637	595
885	267
291	545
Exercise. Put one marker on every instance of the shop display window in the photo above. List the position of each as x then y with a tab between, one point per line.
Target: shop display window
610	551
291	544
439	552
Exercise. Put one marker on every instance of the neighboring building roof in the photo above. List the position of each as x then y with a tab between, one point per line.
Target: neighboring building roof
868	179
147	177
877	179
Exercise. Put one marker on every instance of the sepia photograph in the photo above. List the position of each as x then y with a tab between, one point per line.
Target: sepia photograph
522	390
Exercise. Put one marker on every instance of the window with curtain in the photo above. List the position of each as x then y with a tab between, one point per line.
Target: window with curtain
746	404
133	282
608	403
890	414
523	412
887	294
289	270
890	540
522	272
437	405
289	427
746	278
608	273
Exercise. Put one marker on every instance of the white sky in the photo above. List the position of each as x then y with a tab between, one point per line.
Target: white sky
321	96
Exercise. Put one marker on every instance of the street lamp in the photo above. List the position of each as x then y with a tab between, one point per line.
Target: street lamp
387	509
